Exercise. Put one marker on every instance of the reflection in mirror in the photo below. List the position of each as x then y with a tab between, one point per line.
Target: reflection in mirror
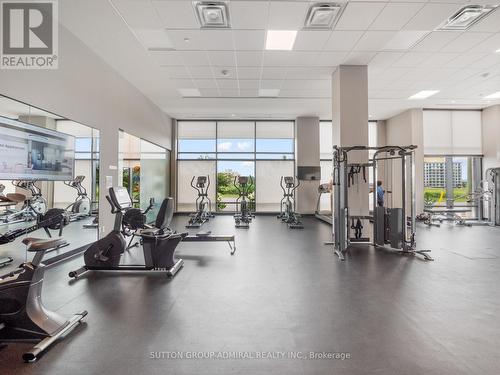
144	169
49	180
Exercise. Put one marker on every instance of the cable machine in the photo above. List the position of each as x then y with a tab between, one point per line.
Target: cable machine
394	227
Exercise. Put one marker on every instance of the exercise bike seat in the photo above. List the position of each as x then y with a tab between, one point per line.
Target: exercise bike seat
39	244
16	197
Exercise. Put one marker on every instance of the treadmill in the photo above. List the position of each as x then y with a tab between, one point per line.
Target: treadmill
325	216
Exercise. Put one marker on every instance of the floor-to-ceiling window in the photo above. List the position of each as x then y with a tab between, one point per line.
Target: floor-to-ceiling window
453	160
224	150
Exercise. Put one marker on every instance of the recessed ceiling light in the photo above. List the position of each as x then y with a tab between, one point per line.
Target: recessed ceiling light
495	95
322	16
280	39
154	40
498	50
466	17
269	93
424	94
212	14
189	93
187	40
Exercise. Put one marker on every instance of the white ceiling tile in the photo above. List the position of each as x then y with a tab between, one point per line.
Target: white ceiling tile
491	23
205	83
465	60
395	15
330	58
373	40
152	39
182	83
201	72
248	14
248	72
249	93
309	84
253	40
384	59
229	93
358	58
465	42
247	58
166	58
176	14
273	73
311	40
225	84
138	14
271	83
431	16
435	41
490	60
178	39
309	73
490	44
404	40
249	84
224	72
222	58
437	60
177	72
289	58
217	40
286	15
411	59
194	58
342	40
209	92
359	16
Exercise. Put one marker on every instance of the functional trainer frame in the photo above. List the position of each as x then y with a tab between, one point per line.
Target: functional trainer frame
393	228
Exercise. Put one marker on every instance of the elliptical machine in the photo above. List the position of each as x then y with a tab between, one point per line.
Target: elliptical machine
287	203
243	218
80	208
32	207
23	317
203	203
159	242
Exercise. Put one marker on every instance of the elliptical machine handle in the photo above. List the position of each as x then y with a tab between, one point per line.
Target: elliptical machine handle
114	210
281	185
208	182
236	186
192	185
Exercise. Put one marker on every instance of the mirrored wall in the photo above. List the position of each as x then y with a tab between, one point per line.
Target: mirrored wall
49	165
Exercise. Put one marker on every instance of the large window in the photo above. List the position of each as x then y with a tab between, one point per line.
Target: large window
223	150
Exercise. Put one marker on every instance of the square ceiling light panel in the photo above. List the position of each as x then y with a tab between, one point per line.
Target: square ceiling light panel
495	95
212	14
280	40
322	16
424	94
466	17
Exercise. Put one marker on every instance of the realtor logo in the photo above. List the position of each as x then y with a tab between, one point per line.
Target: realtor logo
29	34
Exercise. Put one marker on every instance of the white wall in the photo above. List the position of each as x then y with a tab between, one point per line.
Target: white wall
87	90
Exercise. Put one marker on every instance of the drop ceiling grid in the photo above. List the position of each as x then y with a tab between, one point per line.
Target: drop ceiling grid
454	51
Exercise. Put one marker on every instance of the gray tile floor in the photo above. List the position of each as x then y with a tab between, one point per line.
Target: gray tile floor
284	290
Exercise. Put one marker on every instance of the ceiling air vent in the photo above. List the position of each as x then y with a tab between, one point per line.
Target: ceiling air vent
466	17
322	16
212	14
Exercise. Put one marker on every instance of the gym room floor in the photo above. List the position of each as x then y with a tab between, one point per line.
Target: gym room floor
284	290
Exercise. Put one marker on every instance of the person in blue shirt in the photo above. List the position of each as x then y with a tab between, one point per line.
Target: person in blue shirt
380	194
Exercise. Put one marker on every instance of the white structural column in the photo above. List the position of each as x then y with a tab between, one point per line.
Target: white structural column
307	155
406	129
350	116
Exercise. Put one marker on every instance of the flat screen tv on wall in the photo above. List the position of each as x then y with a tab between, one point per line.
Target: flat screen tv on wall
29	152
